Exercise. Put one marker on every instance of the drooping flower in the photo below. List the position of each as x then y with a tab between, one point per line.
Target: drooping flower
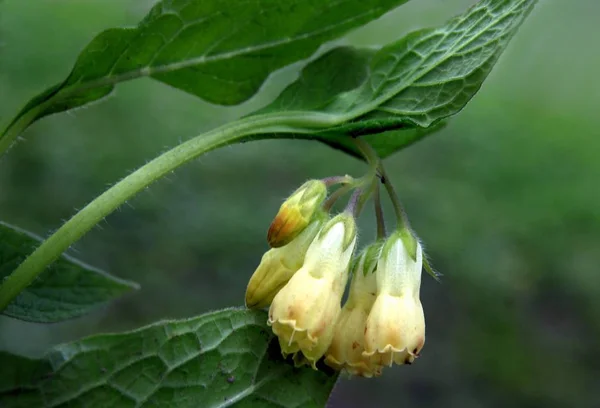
296	213
395	330
278	265
347	346
304	312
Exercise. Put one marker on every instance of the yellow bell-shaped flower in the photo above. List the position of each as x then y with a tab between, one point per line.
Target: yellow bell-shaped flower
395	330
304	312
348	344
296	213
277	266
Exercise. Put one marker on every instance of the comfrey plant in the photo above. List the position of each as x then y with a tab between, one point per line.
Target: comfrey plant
368	103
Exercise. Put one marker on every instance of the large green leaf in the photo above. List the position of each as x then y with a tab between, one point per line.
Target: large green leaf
219	50
432	74
222	359
67	289
341	70
406	86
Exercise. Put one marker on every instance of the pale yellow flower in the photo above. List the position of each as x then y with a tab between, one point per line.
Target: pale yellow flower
277	266
395	330
304	312
347	346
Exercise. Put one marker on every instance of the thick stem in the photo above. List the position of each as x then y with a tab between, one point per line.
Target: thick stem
122	191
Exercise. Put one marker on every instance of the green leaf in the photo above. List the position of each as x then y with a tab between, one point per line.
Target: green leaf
411	84
340	70
17	378
66	289
221	51
431	74
222	359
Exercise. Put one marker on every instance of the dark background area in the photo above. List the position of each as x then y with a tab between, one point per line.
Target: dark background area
506	199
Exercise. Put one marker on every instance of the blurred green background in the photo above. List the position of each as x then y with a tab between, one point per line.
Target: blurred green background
506	199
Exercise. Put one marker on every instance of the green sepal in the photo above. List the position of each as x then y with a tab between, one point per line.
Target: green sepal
372	253
410	242
430	271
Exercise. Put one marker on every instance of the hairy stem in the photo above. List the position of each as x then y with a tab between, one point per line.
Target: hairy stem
122	191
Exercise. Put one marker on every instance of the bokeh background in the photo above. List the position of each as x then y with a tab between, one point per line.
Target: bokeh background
506	199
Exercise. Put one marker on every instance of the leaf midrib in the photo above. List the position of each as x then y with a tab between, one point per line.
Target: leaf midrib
79	87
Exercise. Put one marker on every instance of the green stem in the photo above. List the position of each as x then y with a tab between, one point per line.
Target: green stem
398	208
349	184
332	181
379	213
336	195
372	158
118	194
367	150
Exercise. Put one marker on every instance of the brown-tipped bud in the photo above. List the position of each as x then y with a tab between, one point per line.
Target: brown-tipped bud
296	213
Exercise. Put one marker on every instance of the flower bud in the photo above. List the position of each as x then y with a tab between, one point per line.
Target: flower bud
347	345
304	312
296	213
395	330
277	267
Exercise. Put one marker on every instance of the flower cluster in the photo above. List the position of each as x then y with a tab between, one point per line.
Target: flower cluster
304	276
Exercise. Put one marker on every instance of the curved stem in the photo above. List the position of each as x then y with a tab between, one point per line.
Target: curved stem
122	191
332	181
336	195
